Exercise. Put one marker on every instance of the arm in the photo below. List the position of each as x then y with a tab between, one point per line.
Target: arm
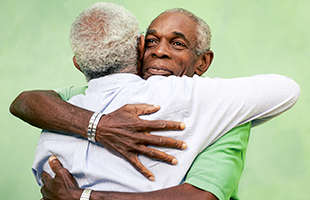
217	169
46	110
180	192
63	186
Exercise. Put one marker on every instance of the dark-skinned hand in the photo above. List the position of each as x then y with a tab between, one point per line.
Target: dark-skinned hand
63	186
124	132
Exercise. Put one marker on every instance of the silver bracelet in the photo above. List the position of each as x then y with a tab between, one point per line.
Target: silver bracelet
85	194
92	126
96	124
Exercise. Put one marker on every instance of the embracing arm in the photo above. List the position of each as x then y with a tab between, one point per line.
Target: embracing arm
63	186
46	110
180	192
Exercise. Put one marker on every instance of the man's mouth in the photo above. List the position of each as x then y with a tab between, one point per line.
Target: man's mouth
158	71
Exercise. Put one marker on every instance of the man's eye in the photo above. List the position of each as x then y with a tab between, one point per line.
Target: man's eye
179	45
149	42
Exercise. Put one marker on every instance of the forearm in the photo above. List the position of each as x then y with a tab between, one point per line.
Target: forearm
46	110
184	191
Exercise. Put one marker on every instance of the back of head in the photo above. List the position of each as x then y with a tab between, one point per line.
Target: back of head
203	32
104	40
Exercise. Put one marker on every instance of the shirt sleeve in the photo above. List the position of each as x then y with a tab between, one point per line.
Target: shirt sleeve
219	167
67	93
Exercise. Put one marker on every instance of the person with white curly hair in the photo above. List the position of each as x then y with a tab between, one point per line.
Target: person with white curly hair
96	47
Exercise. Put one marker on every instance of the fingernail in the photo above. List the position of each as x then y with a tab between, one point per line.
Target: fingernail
184	146
156	106
152	178
174	161
51	158
182	126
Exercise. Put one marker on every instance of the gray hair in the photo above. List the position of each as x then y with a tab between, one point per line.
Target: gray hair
203	32
104	40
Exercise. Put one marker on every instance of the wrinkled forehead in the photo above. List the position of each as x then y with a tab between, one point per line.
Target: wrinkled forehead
172	22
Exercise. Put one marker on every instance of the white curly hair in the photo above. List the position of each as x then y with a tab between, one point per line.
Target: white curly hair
203	32
104	40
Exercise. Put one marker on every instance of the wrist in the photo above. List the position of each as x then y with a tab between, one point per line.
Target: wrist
92	126
79	122
74	194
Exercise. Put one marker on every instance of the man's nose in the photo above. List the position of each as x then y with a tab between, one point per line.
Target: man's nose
162	50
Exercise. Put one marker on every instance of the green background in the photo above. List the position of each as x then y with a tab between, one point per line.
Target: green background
249	37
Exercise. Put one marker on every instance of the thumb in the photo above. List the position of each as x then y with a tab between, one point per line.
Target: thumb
54	164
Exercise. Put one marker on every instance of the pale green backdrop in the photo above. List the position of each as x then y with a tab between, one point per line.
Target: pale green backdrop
249	37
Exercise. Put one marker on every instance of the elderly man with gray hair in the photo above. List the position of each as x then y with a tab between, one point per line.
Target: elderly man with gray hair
208	107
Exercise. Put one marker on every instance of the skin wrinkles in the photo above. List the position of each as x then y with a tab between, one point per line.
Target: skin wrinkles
170	46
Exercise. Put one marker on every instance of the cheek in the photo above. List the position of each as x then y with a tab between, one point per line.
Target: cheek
143	64
189	66
145	59
185	63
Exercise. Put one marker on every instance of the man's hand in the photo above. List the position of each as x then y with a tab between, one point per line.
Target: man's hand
62	186
124	132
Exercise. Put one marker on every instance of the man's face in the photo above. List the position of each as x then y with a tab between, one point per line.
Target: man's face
170	46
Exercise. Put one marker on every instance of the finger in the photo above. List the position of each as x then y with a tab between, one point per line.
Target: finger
54	164
144	109
158	155
43	191
45	177
133	159
162	141
159	125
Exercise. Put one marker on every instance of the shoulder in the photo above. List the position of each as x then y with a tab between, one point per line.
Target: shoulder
67	93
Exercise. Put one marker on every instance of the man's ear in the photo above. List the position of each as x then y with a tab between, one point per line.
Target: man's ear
76	64
140	54
141	47
206	60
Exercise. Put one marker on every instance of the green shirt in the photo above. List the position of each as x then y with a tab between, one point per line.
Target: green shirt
218	168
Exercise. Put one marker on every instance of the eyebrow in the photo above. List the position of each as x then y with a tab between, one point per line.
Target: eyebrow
174	32
150	31
179	34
